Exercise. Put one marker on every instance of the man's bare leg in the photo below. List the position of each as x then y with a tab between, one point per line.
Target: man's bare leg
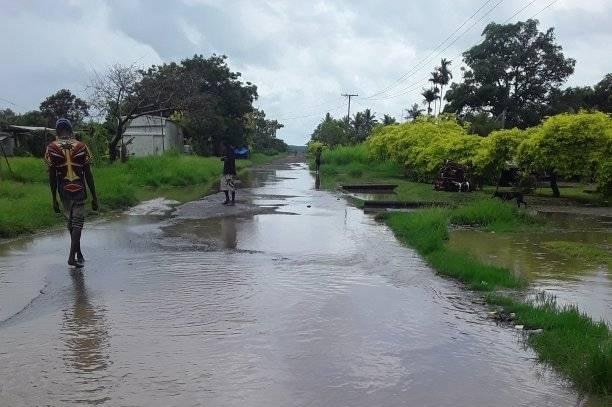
75	244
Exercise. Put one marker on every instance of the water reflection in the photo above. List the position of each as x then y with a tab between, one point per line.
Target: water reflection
86	341
228	233
318	181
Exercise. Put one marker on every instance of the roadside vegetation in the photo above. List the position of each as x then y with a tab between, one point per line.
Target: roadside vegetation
25	200
569	341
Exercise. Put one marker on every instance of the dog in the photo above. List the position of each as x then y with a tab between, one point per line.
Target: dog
508	196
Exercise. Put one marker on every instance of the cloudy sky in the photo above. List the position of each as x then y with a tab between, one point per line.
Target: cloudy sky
301	54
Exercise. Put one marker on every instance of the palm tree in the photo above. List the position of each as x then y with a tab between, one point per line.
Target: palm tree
388	120
414	112
445	77
435	80
362	125
429	95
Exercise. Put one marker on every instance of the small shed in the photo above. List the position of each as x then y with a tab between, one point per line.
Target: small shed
7	144
29	138
152	135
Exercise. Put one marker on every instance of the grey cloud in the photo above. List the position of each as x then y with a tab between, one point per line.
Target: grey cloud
301	55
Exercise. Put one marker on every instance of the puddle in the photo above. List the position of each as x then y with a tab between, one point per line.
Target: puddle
153	207
587	284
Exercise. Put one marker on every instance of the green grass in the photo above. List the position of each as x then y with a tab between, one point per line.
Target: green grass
427	231
491	214
25	200
583	251
571	342
351	163
575	193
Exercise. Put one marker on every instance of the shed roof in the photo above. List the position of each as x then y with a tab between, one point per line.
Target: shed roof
29	129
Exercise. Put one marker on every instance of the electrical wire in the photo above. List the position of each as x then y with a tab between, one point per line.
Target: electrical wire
404	76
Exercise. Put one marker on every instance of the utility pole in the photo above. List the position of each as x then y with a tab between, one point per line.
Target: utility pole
349	96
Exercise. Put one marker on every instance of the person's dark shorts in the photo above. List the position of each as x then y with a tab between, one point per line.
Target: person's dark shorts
74	212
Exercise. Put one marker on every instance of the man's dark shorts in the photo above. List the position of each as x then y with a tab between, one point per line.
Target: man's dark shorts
74	212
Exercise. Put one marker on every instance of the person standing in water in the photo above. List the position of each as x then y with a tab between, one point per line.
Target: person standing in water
70	175
318	159
228	179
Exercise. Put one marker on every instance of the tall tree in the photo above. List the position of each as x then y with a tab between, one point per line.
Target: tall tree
262	133
602	94
331	132
362	125
64	104
119	95
388	120
511	73
445	75
215	102
435	80
429	96
413	112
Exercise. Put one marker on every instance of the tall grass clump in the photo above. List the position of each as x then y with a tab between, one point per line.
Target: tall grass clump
172	170
25	199
570	341
24	208
427	231
355	162
492	214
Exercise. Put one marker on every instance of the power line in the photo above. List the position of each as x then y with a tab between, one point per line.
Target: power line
415	85
12	103
408	74
447	47
544	9
349	96
405	90
519	12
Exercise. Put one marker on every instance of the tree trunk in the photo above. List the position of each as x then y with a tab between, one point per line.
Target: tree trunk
112	145
440	107
553	184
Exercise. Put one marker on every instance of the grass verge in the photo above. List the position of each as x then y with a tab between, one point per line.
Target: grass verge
25	200
575	345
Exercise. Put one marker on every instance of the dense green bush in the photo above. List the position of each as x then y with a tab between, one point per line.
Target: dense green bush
566	145
569	145
423	145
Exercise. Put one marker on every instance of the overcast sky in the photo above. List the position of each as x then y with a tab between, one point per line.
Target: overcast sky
301	54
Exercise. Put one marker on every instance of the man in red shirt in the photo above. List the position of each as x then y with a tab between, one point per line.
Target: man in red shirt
69	176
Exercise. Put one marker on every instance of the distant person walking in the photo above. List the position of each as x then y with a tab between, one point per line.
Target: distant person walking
318	159
69	177
228	179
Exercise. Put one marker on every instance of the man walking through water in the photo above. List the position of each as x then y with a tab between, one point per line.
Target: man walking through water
228	179
69	176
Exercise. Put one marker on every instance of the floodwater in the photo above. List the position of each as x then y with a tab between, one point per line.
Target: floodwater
573	281
291	298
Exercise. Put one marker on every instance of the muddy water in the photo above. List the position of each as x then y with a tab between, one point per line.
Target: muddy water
574	281
294	298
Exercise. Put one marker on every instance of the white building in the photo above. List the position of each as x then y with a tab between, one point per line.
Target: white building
152	135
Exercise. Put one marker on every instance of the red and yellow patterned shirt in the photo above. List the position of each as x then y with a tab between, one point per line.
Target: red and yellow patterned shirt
68	158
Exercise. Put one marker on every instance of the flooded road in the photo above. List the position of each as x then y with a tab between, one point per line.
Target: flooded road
291	298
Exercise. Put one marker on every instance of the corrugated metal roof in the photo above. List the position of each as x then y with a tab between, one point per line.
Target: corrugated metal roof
30	128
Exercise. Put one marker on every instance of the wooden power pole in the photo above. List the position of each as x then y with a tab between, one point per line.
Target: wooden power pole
349	96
